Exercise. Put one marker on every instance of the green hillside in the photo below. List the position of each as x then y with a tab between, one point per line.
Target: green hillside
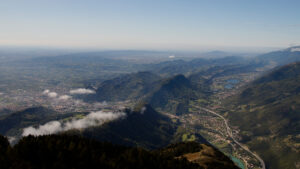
163	94
174	95
129	86
142	127
268	113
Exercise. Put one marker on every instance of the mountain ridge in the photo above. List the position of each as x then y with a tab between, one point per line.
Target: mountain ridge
267	113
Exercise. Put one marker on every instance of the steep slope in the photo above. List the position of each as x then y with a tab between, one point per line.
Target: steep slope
130	86
61	151
9	124
142	127
267	111
174	95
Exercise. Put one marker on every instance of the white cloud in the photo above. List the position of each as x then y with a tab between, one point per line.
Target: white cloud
143	110
11	139
295	50
64	97
100	104
172	56
46	91
48	128
82	91
52	94
92	119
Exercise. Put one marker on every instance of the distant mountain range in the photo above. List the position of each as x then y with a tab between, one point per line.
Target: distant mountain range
164	94
266	110
282	57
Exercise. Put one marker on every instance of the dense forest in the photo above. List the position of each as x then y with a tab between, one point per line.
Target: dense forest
62	151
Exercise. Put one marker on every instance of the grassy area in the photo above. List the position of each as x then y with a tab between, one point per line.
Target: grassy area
188	137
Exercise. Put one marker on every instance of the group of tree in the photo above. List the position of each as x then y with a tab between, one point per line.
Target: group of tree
64	151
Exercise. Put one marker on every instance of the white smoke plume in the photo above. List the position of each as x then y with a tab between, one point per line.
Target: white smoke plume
92	119
82	91
172	56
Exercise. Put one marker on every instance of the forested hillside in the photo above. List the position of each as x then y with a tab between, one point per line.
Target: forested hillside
267	112
60	151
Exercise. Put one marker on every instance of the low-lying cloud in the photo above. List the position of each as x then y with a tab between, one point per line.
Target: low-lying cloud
64	97
82	91
295	50
92	119
50	94
143	110
54	95
46	91
11	139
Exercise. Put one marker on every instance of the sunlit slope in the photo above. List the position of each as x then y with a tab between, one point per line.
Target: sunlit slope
268	114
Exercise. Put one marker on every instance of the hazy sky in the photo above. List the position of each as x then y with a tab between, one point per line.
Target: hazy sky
150	24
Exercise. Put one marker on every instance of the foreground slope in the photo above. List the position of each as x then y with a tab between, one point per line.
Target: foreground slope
268	114
60	151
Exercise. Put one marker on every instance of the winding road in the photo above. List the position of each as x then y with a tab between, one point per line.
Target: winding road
230	134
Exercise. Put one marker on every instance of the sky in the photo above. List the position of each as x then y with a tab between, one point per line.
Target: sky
150	24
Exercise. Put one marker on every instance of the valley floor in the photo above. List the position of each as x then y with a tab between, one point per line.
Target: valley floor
216	130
